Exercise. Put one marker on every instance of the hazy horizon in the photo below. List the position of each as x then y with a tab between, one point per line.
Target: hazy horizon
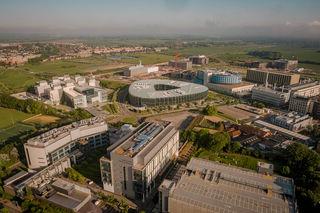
212	18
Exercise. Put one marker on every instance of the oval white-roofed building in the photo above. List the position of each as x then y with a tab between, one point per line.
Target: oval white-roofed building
162	92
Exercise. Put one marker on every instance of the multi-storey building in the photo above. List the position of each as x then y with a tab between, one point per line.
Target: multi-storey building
292	121
283	64
208	186
272	77
270	96
70	140
139	70
301	104
133	165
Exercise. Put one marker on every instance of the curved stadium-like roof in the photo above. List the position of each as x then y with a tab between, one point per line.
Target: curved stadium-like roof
163	90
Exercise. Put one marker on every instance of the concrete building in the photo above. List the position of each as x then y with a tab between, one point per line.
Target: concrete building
208	186
199	59
139	70
70	140
290	134
272	77
134	165
224	82
16	184
283	64
277	97
77	92
311	89
241	89
292	121
64	194
183	64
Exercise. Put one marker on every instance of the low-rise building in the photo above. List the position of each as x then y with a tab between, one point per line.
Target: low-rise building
76	92
292	121
64	194
208	186
290	134
139	70
70	140
283	64
183	64
133	166
199	59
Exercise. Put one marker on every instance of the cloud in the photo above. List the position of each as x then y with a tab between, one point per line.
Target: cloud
314	23
288	23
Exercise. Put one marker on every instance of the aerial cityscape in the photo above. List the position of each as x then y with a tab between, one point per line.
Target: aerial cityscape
160	106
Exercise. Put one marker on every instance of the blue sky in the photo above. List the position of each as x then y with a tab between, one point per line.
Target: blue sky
296	18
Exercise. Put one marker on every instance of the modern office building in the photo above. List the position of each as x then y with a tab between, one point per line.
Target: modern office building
292	121
310	89
70	140
159	92
184	64
272	77
134	165
208	186
199	59
274	96
76	92
139	70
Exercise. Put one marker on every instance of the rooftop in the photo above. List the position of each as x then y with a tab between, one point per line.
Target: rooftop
61	132
283	130
150	88
223	188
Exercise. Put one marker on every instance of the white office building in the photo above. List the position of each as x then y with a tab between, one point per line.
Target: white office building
70	140
133	166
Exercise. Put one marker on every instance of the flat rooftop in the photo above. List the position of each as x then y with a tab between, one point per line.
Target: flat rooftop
222	188
61	132
147	88
147	132
276	72
282	130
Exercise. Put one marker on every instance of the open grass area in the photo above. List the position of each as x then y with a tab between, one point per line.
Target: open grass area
41	119
90	167
9	117
244	161
146	58
112	108
130	120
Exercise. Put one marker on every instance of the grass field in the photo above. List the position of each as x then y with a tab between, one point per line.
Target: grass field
15	130
41	119
149	58
9	117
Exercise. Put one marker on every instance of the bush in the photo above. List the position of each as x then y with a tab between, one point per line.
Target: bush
210	110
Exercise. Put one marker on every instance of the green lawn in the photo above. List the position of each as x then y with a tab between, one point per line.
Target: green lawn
244	161
9	117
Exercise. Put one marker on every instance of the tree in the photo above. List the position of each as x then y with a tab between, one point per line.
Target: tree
220	140
210	110
285	170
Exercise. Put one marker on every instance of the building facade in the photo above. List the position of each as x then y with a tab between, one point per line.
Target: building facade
270	96
272	77
70	140
133	166
183	64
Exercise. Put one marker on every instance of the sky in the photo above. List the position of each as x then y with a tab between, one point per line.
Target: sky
214	18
